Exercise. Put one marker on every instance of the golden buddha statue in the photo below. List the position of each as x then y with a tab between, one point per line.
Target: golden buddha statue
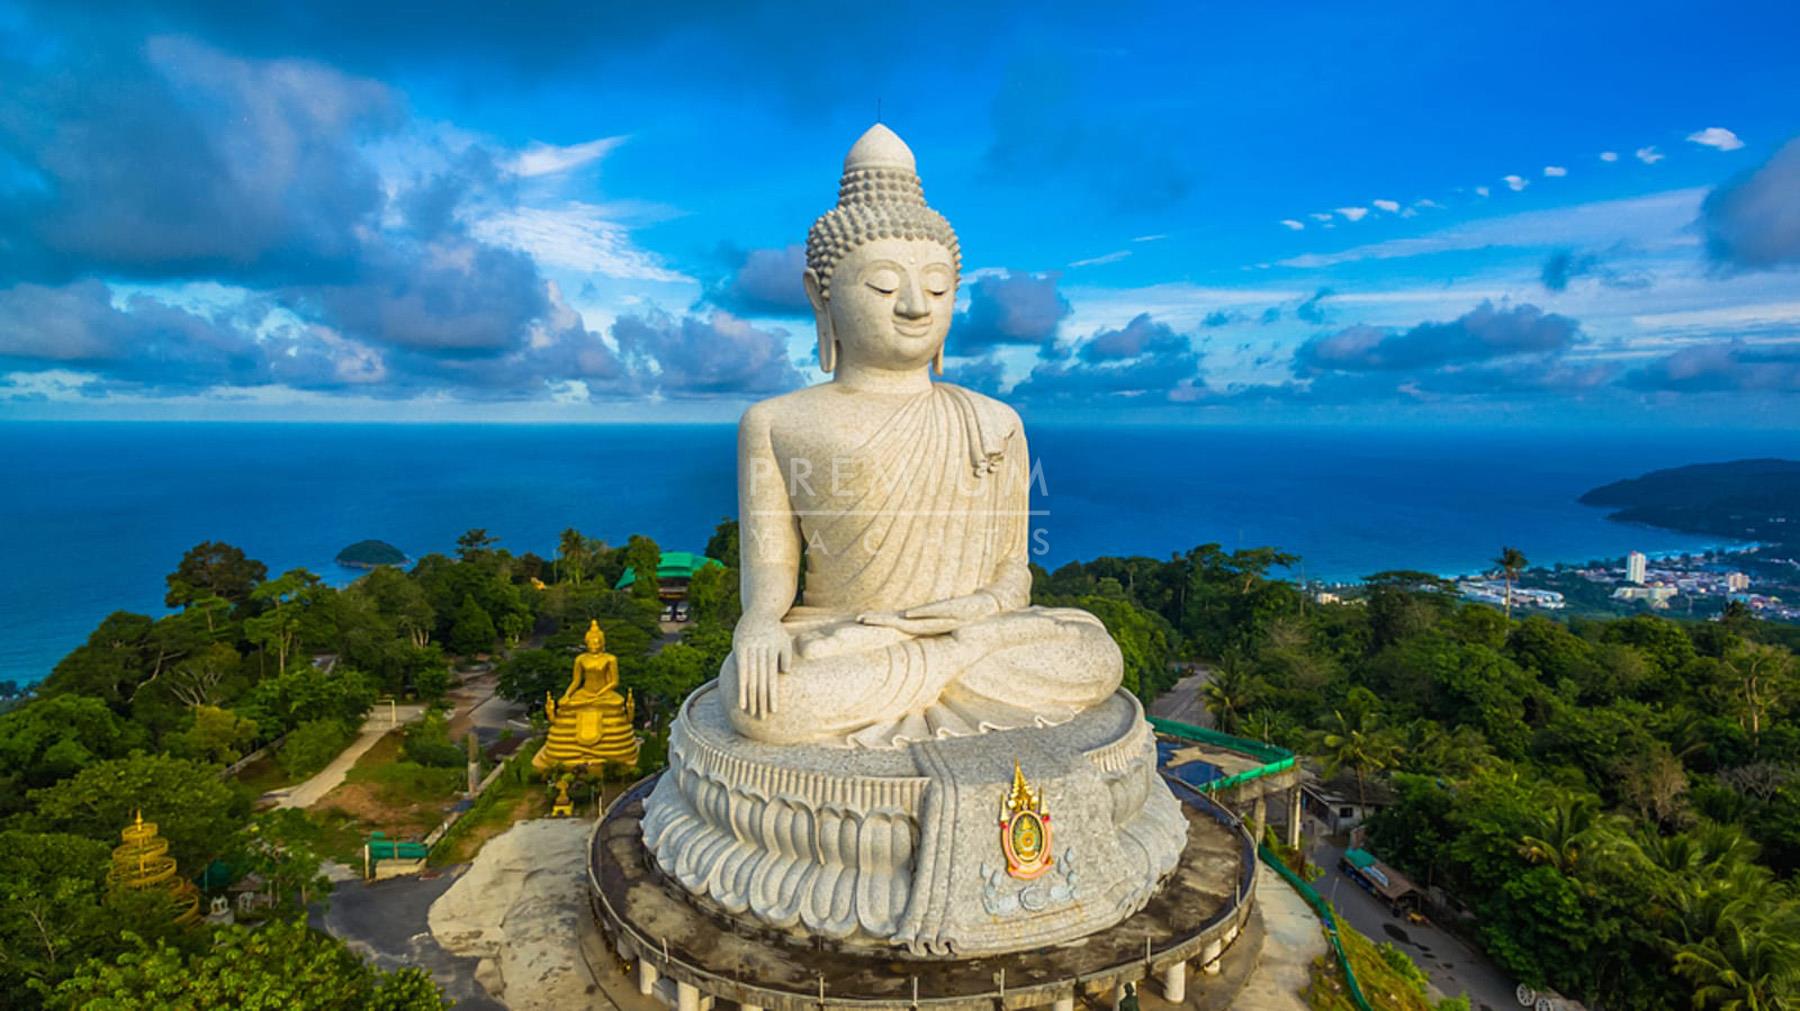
590	725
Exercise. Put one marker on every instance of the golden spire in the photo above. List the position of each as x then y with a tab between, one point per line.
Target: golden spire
1022	798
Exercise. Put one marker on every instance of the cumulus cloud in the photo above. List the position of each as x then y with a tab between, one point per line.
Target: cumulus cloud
1319	216
1555	171
1481	334
1390	206
1716	137
1609	156
1725	367
1565	265
1649	155
715	355
1221	317
1753	221
1482	191
1145	359
1515	182
1292	225
1009	309
763	282
1313	309
1354	213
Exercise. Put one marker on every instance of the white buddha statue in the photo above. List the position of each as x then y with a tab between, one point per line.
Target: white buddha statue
910	498
849	774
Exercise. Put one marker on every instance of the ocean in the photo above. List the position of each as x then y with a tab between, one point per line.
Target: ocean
93	515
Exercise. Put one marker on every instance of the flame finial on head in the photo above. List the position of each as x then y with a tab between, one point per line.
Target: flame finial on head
595	638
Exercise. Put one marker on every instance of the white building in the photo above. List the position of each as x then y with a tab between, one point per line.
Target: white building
1635	563
1736	582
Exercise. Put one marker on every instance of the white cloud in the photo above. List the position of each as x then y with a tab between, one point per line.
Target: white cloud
1389	206
1716	136
1609	156
1555	171
1291	223
1095	261
1482	191
1158	237
575	236
1317	216
549	159
1515	183
1353	213
1649	155
1427	203
1657	221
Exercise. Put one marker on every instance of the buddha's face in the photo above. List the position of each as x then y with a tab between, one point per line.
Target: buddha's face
890	304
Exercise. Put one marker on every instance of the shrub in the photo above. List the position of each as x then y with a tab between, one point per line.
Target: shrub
428	743
312	745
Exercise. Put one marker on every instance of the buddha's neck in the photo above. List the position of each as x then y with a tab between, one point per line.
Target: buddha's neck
859	378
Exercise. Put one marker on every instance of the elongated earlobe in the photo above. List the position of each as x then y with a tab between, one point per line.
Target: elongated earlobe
937	361
827	350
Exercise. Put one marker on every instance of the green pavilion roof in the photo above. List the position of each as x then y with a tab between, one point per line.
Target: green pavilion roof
674	565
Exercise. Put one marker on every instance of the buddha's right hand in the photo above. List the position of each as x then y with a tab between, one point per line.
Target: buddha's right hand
762	650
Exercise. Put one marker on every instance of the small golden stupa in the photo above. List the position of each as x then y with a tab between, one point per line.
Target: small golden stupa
143	864
591	725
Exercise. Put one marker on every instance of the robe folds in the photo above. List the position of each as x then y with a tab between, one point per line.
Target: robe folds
933	506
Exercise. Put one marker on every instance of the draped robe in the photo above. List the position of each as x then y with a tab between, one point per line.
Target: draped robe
934	505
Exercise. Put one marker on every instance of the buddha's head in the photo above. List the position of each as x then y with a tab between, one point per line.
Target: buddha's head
595	639
881	266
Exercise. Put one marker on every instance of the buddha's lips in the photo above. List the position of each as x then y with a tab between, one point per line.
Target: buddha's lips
909	331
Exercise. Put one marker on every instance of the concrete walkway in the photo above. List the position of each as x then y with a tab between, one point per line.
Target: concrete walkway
382	720
1293	940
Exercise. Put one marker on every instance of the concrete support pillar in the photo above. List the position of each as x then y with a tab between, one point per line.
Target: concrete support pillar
1174	983
1293	820
750	1007
1064	1004
1209	957
1118	995
1259	812
646	977
687	997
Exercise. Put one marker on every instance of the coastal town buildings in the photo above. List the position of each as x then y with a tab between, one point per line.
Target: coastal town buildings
1635	565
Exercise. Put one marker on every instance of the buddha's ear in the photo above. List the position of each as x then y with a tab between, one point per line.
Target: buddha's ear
815	293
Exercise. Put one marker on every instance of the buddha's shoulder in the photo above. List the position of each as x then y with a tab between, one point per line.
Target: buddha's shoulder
997	413
766	415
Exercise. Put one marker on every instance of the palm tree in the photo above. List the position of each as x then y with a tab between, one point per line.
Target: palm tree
571	555
1512	562
1364	747
1746	965
1229	692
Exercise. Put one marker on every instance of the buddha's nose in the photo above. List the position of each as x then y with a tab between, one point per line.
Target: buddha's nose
911	304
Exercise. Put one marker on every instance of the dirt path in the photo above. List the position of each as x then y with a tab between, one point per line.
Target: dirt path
382	720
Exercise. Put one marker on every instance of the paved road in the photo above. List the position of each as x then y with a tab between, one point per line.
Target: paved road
385	922
380	721
1182	702
1454	967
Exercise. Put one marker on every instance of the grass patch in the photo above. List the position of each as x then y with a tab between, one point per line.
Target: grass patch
384	791
515	796
1389	978
263	775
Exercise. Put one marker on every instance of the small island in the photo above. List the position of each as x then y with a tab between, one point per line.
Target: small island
1747	500
371	555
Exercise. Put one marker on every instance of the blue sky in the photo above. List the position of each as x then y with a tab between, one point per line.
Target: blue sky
1423	214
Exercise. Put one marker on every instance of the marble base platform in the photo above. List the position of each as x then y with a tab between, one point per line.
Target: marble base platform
901	848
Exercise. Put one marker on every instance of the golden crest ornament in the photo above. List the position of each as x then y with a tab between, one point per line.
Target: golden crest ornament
1024	830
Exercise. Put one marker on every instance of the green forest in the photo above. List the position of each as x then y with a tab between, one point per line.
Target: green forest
1613	803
